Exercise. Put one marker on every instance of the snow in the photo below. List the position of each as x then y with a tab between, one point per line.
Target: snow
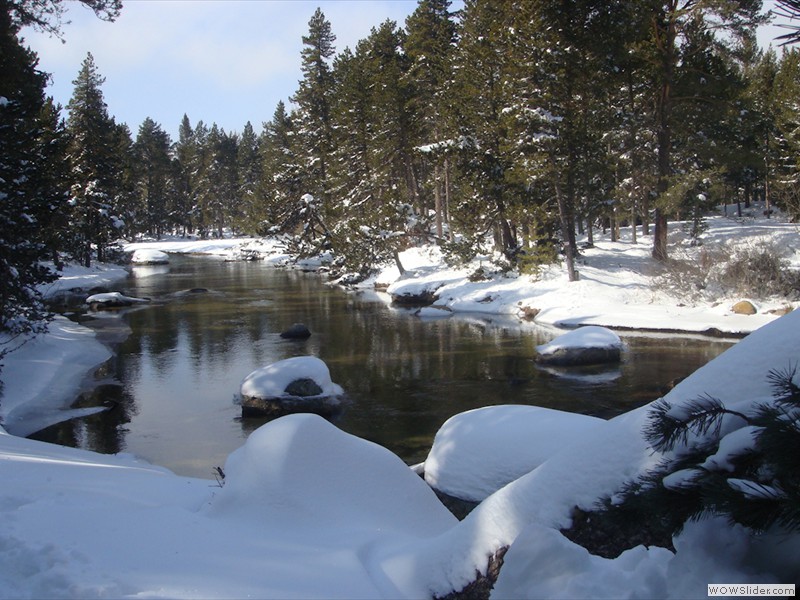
117	298
41	378
307	511
734	444
477	452
616	288
271	381
76	277
567	571
149	256
272	250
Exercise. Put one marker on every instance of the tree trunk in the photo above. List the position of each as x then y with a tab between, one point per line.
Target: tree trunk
437	200
562	215
666	34
447	198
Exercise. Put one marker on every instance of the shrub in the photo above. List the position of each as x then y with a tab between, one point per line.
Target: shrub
759	271
753	271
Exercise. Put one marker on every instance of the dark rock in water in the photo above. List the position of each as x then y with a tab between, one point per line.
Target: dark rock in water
325	406
294	385
298	331
198	291
304	388
580	356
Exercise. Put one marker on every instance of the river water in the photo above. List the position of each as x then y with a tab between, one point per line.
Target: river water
173	382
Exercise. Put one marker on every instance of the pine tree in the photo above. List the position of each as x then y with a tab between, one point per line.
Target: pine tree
672	21
562	109
53	144
182	176
217	185
375	170
249	167
789	9
281	183
29	196
482	62
785	165
96	165
429	45
313	99
153	176
755	484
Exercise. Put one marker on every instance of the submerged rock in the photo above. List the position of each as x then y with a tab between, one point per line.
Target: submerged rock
298	331
295	385
589	345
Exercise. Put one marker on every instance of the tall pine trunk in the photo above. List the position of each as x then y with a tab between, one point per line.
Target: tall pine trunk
666	35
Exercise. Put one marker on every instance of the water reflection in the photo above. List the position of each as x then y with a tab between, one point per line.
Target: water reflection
211	323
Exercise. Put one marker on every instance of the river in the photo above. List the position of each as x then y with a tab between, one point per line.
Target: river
173	381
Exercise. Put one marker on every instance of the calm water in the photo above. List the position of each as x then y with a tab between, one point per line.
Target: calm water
173	382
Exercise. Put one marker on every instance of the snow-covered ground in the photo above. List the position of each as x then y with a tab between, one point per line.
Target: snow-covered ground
308	511
616	283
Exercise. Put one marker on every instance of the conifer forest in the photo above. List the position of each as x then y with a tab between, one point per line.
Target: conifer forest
508	126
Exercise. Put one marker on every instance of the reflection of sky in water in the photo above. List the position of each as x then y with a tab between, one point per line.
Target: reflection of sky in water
404	376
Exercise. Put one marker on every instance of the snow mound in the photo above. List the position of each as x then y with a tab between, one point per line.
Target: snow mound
477	452
271	381
303	471
149	256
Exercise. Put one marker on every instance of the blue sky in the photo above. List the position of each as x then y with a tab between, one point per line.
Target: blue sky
220	61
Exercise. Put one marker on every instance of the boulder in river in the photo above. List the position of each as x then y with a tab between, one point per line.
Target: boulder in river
295	385
590	345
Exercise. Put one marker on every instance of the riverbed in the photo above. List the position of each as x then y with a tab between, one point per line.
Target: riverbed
171	387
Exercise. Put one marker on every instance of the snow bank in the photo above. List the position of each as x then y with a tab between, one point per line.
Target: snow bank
616	288
477	452
75	276
271	381
42	378
272	250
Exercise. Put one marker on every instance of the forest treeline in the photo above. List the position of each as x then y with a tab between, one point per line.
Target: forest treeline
516	123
